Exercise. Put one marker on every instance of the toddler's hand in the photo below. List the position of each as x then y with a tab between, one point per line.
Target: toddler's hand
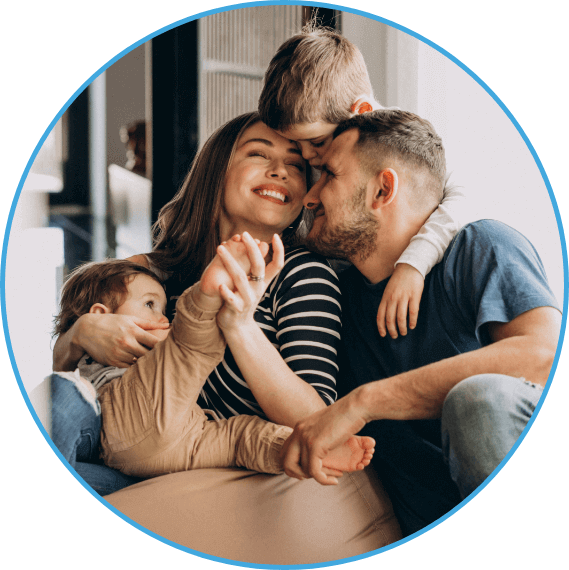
240	304
216	274
402	295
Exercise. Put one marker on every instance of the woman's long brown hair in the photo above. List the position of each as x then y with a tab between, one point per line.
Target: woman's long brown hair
186	233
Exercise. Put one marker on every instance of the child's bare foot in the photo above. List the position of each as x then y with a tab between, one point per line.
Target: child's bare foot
353	455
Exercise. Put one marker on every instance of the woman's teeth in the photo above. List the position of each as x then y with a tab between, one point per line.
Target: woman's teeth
272	194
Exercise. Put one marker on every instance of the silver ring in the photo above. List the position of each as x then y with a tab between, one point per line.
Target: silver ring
256	277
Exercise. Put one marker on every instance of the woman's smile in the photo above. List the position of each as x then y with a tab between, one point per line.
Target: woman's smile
267	167
273	193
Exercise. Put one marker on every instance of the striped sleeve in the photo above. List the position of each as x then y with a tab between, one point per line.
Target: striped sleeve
307	315
300	315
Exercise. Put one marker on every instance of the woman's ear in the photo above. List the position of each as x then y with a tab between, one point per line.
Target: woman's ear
99	309
386	185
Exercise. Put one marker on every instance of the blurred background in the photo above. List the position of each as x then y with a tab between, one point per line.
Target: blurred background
122	149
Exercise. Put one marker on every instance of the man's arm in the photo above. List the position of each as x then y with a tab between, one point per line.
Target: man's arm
524	347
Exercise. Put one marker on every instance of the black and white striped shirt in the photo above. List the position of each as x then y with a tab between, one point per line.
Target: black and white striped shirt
300	314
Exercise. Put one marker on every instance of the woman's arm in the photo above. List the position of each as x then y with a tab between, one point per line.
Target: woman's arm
113	340
306	312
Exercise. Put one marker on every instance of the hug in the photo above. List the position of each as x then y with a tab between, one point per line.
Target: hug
398	383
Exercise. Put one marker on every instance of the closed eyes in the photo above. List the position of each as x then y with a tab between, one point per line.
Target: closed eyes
296	164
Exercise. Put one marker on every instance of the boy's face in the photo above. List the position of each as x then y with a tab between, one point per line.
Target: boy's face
146	300
313	139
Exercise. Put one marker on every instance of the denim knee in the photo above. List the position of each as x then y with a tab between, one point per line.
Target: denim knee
75	422
482	418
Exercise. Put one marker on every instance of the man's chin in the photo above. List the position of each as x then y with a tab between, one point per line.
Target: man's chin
315	242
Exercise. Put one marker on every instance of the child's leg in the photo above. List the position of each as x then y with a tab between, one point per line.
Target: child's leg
75	431
149	408
253	443
75	417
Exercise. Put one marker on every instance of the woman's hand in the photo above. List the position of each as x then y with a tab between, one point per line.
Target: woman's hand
240	303
114	340
402	296
216	274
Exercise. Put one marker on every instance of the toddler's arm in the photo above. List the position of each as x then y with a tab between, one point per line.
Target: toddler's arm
403	292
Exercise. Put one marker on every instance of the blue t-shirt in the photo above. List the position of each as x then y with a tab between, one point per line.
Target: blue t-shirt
489	273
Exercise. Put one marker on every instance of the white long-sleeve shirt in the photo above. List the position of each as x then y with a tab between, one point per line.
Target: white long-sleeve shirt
429	245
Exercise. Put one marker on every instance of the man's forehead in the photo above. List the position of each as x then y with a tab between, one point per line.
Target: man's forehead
342	146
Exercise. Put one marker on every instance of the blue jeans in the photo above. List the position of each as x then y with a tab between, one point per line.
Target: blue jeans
429	467
75	431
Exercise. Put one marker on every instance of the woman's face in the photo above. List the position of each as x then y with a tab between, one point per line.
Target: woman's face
265	183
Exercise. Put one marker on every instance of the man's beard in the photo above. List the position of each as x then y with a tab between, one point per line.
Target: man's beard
353	238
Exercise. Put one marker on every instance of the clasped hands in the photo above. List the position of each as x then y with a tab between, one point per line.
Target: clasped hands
238	277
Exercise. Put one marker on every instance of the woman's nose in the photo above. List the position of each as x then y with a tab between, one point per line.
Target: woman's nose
163	319
278	170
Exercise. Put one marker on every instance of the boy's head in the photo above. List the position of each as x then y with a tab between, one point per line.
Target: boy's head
316	80
113	286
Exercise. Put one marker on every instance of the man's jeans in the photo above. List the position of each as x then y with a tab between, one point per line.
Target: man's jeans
482	418
75	431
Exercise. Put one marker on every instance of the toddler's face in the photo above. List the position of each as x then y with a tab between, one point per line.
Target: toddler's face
146	299
312	138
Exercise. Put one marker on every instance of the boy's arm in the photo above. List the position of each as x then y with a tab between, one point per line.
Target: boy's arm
402	295
429	245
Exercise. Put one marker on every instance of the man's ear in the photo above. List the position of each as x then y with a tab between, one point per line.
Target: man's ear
386	185
99	309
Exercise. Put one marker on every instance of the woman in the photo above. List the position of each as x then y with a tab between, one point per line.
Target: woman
281	363
257	185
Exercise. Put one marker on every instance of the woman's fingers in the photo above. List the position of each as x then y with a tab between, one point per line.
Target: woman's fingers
230	299
255	256
239	277
277	263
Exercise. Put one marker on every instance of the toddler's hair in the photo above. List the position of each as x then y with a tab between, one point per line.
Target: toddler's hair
97	282
315	75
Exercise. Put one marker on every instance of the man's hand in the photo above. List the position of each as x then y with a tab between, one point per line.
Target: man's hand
401	297
315	436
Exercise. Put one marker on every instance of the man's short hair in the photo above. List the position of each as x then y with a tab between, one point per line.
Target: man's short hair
401	137
315	75
97	282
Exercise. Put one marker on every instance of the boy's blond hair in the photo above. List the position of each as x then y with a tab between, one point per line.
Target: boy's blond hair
316	75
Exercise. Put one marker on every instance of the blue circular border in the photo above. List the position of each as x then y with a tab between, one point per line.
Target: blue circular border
227	9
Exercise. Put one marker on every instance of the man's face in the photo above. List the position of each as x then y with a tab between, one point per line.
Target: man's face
314	139
344	226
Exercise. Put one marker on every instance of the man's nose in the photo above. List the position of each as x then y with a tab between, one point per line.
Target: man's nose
312	199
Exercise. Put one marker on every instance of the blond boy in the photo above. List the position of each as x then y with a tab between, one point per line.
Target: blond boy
316	80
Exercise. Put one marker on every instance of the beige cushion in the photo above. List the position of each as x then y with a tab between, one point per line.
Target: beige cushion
263	519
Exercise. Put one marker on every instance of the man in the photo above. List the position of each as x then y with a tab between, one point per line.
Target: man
447	401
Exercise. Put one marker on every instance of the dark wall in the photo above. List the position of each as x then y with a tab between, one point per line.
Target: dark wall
175	136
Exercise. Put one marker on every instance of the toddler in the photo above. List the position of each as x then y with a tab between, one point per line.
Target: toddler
151	424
